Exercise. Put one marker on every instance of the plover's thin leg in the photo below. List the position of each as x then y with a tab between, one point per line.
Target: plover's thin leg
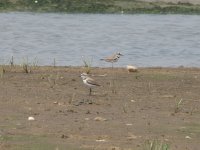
90	91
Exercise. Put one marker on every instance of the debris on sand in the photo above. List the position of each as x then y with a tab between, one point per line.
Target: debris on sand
56	102
83	102
87	119
129	124
100	119
188	137
31	118
100	140
115	148
131	68
131	137
64	136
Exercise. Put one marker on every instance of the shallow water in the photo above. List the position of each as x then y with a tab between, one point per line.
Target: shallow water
145	40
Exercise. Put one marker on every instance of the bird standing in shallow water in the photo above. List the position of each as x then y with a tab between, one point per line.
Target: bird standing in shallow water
113	58
89	81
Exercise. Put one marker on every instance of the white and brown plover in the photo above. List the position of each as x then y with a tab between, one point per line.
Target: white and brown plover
89	81
113	58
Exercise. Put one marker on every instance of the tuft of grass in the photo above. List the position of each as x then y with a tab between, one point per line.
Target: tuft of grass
26	66
12	61
155	145
178	106
35	63
72	98
29	66
54	62
52	79
125	108
2	71
87	64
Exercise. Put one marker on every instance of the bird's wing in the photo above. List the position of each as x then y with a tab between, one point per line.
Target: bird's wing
111	57
92	81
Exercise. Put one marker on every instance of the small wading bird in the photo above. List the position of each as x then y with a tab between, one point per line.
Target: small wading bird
113	58
89	81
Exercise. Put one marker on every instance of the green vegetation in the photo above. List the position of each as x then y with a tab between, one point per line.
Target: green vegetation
87	65
2	71
155	145
178	106
98	6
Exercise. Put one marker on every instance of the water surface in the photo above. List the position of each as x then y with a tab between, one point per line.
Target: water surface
145	40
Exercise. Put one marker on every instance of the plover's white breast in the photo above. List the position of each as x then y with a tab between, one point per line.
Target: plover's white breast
89	83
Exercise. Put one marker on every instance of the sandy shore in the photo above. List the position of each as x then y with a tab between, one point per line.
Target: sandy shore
127	110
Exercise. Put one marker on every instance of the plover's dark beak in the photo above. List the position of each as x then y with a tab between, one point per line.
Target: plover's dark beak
121	54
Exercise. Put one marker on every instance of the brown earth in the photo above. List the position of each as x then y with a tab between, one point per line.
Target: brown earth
127	110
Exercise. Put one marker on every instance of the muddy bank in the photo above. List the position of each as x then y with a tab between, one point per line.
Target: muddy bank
127	110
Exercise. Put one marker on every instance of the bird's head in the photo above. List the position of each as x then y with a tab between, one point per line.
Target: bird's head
119	54
84	75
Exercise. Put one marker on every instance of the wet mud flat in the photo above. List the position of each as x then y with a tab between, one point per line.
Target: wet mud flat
125	111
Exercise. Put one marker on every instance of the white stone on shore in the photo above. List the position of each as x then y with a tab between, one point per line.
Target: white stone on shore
188	137
31	118
100	140
131	68
100	119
